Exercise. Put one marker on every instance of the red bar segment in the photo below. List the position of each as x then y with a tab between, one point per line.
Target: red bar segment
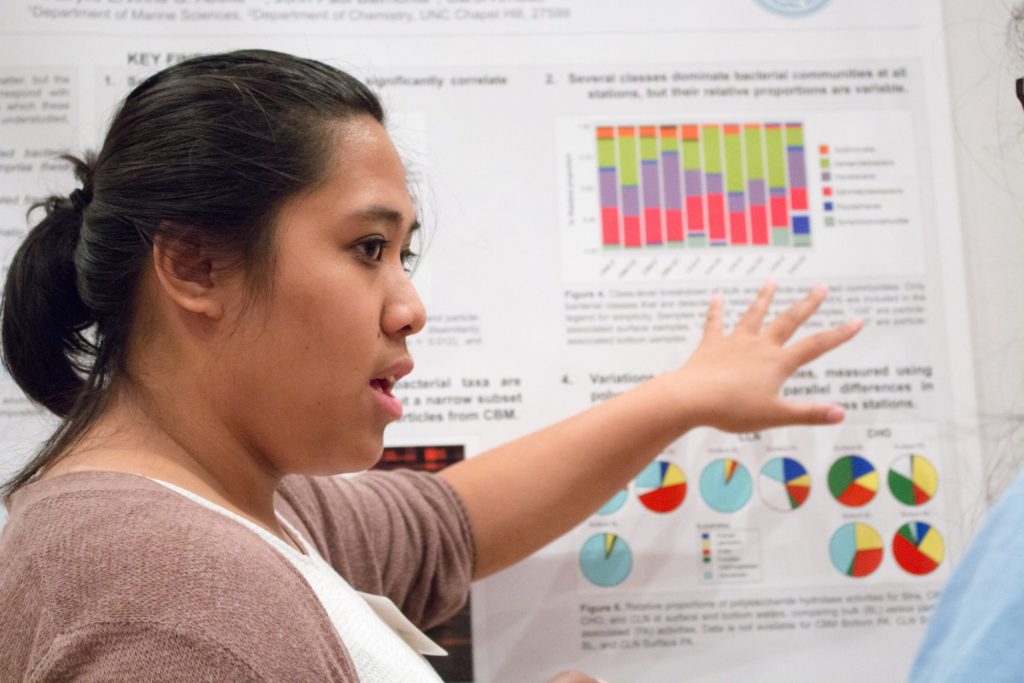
674	224
716	217
652	225
780	214
737	227
610	225
631	231
758	225
798	198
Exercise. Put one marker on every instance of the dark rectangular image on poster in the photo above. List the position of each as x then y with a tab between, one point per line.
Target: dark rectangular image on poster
455	635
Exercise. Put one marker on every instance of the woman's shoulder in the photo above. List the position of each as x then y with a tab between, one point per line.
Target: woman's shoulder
104	516
100	548
974	633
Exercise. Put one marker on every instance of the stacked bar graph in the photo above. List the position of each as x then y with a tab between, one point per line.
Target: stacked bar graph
700	185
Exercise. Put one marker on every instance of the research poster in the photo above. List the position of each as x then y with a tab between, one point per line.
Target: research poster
589	174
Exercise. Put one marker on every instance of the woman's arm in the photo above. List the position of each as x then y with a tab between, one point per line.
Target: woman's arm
515	494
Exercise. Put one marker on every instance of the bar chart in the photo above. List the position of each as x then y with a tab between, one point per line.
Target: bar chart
698	196
703	185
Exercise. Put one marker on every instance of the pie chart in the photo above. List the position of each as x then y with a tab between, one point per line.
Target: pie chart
606	560
661	486
784	484
726	485
856	549
918	548
913	480
614	503
853	480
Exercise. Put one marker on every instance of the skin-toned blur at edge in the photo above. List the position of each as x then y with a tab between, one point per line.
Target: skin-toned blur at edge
218	315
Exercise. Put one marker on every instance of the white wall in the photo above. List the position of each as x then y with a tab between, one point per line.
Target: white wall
985	57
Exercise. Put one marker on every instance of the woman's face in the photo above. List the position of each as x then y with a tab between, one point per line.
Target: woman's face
311	367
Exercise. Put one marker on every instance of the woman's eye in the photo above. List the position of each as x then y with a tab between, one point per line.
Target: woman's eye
373	249
409	259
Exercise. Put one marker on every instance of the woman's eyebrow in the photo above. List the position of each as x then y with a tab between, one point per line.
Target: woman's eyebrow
383	214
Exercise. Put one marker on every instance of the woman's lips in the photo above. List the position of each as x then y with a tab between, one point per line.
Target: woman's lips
385	382
381	387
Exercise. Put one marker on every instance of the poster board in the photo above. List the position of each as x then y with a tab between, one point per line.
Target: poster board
590	173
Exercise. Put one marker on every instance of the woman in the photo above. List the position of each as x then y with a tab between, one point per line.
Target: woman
219	313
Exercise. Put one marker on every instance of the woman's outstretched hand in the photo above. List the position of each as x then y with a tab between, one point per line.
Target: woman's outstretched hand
732	381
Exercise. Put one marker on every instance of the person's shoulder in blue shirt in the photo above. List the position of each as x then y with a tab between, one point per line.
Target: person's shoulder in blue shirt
977	630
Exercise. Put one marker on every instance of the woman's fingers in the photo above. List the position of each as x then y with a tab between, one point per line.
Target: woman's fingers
812	414
754	317
806	350
713	326
783	327
574	677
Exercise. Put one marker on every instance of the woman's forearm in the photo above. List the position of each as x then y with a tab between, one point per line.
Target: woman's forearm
522	495
528	492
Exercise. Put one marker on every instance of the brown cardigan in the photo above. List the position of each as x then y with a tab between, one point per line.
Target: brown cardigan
108	576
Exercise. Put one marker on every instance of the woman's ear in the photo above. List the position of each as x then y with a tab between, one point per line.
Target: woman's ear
187	273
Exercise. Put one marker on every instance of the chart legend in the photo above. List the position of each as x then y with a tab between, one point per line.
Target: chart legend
731	556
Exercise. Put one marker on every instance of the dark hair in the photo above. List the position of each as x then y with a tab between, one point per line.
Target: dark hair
210	147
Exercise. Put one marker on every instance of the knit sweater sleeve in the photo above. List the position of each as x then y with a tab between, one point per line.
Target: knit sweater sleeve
108	576
134	651
400	534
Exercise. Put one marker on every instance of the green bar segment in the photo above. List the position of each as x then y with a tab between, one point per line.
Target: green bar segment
669	143
795	136
648	145
606	153
733	160
755	157
691	148
776	157
712	138
628	163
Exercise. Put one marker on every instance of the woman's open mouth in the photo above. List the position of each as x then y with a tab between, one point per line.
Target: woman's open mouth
381	387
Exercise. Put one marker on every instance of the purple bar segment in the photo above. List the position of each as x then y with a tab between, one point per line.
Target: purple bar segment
756	189
609	183
673	195
737	202
631	201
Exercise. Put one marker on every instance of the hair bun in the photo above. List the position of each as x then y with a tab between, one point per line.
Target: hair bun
80	199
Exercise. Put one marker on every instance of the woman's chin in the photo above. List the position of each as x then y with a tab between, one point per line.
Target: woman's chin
349	459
